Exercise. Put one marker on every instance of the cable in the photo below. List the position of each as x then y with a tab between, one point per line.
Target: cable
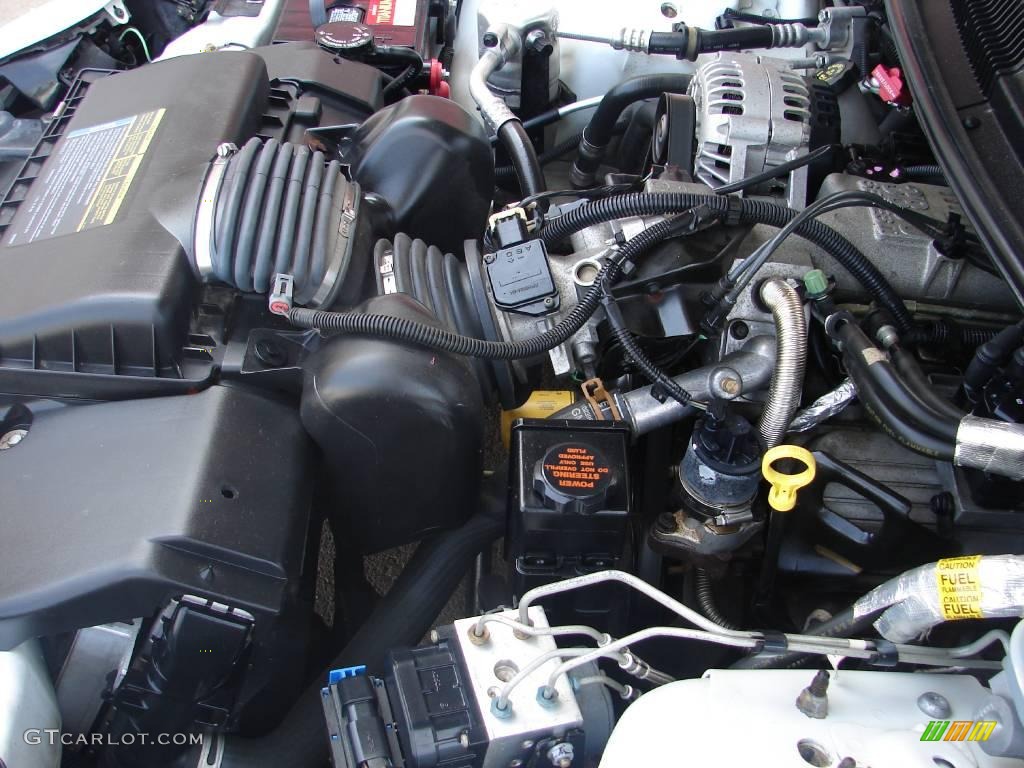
776	171
400	82
706	598
432	337
738	211
663	383
141	39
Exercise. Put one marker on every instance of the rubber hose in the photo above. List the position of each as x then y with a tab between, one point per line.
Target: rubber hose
523	156
790	360
843	624
706	599
599	131
508	172
865	363
399	329
912	374
903	430
747	211
400	619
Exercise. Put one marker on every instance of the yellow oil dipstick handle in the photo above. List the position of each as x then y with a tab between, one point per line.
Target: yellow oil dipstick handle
782	496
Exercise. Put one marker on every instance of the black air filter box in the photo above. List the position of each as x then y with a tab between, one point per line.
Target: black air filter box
96	283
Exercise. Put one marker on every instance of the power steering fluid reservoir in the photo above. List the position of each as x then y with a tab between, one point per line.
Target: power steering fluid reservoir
569	504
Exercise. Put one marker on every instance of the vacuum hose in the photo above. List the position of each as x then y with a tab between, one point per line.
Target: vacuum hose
913	419
400	619
599	132
744	211
502	120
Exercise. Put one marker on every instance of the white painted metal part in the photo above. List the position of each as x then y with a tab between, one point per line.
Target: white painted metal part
734	718
28	707
228	32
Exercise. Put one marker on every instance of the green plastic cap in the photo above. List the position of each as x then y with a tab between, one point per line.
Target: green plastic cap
816	282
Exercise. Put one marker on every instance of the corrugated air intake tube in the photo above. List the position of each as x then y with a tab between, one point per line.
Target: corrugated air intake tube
275	208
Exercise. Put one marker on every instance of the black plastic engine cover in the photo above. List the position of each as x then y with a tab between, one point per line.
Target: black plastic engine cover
110	510
401	430
431	161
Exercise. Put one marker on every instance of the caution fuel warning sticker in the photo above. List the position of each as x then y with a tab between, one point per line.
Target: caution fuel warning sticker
86	180
958	580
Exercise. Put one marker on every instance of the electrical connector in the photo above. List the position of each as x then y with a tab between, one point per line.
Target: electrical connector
282	294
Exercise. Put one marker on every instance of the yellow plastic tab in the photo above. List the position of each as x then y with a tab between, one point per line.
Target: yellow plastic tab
782	496
541	404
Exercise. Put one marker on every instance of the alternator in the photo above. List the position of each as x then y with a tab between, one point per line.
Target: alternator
752	114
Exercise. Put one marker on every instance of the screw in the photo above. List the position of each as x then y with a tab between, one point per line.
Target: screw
12	438
971	122
528	744
539	43
464	739
549	302
730	386
561	755
935	705
270	353
489	258
666	522
434	636
813	700
942	504
490	40
739	330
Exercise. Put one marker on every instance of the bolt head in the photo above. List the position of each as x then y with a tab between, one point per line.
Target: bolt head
490	40
935	705
12	438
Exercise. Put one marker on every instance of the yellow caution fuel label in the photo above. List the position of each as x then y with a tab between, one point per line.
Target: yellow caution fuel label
958	580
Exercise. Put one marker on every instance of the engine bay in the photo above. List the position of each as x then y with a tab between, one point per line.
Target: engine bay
660	359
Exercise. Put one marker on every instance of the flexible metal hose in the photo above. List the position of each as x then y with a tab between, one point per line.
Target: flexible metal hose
790	360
